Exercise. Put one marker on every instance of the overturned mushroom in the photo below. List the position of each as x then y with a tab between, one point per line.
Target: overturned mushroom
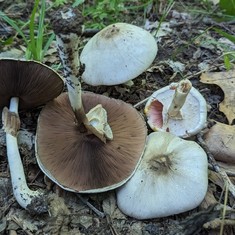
77	160
178	108
67	25
86	142
24	85
117	54
171	179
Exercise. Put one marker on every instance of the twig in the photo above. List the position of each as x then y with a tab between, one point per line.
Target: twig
20	224
203	70
110	224
224	210
99	213
187	77
89	32
141	102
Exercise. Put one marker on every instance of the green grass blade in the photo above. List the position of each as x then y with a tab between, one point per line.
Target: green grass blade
32	44
47	45
39	41
226	35
228	6
13	25
227	62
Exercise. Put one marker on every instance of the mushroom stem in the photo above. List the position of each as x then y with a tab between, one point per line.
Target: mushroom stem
67	45
67	26
181	91
28	199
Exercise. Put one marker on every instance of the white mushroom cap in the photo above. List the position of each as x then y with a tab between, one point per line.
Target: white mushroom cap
117	54
172	178
194	113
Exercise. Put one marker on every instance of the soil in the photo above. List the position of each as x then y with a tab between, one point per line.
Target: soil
192	42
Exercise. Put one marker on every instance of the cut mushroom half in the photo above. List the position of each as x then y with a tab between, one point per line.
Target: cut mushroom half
77	160
178	108
172	178
118	53
24	85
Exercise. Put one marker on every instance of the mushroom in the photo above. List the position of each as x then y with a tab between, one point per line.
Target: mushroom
172	178
178	108
24	85
77	160
67	25
117	54
97	159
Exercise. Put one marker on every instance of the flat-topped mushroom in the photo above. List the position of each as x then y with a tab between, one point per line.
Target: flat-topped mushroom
172	178
77	160
24	85
178	108
117	54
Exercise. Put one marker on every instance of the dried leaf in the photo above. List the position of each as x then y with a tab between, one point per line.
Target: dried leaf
3	224
216	179
226	80
57	206
85	220
209	199
220	140
109	205
228	167
216	223
12	53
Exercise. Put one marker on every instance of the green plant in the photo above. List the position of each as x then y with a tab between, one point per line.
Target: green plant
37	43
228	6
166	11
229	56
224	10
100	13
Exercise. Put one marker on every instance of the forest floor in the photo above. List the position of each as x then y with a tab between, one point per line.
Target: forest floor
188	46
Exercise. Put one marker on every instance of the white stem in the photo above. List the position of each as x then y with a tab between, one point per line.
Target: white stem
68	43
24	196
68	51
181	91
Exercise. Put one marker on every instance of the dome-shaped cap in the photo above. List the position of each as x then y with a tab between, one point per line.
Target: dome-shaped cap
78	161
34	83
117	54
172	178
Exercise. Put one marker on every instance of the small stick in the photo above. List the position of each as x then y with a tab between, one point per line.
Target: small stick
141	102
99	213
187	77
89	32
20	224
